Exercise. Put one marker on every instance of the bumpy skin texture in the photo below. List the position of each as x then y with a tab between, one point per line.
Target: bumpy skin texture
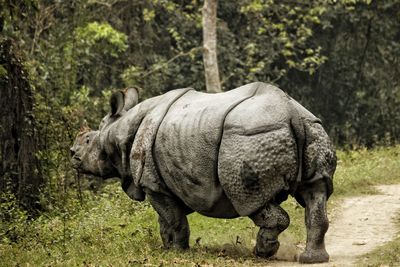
258	152
239	153
254	169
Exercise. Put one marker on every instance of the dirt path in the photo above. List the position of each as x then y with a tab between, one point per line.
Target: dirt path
361	224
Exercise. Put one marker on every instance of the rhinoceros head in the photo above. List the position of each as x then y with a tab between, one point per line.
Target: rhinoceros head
89	151
88	156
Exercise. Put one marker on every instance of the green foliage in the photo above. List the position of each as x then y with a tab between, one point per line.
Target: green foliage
12	12
132	75
338	58
95	44
354	91
101	37
12	218
3	72
291	26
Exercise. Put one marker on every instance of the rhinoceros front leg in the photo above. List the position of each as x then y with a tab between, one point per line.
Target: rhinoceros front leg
315	196
272	220
174	227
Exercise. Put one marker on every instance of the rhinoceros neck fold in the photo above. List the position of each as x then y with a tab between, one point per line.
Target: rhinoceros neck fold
117	139
144	167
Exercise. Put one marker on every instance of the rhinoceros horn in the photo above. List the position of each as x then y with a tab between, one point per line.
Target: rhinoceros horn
84	127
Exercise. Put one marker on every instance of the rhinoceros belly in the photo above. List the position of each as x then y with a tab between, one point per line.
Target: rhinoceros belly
187	147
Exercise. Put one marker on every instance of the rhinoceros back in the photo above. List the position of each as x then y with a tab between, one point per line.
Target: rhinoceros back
187	146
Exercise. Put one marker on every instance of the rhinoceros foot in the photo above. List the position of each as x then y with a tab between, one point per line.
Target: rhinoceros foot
314	256
266	249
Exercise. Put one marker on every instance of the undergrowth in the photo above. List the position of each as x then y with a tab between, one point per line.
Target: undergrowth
108	229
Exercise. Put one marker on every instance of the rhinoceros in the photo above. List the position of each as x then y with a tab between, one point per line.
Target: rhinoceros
225	155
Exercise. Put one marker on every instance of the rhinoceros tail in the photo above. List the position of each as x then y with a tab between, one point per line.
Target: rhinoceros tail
297	125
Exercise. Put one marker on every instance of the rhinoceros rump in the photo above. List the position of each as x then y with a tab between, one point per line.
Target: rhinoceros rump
238	153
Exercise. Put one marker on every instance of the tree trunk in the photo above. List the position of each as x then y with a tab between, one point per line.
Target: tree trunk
19	169
210	46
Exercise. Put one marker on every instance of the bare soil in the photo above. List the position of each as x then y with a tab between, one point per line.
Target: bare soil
360	225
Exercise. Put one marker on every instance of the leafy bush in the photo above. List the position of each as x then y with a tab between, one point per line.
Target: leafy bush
12	219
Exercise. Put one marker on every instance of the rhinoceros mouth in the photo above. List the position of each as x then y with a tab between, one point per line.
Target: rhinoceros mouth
76	162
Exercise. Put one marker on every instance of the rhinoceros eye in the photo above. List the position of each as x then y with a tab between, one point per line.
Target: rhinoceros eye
87	140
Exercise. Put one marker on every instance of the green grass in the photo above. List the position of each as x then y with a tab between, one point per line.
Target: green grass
111	230
359	170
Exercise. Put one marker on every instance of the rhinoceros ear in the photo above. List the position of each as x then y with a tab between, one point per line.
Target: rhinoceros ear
131	98
116	102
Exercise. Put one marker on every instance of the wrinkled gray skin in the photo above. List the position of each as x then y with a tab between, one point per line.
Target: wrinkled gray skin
238	153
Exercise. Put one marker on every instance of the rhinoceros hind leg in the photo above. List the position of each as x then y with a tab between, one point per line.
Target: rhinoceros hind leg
174	227
317	223
272	220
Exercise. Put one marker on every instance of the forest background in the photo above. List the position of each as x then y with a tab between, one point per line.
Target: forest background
61	60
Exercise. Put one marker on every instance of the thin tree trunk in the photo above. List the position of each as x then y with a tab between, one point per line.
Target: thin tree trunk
210	46
19	169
